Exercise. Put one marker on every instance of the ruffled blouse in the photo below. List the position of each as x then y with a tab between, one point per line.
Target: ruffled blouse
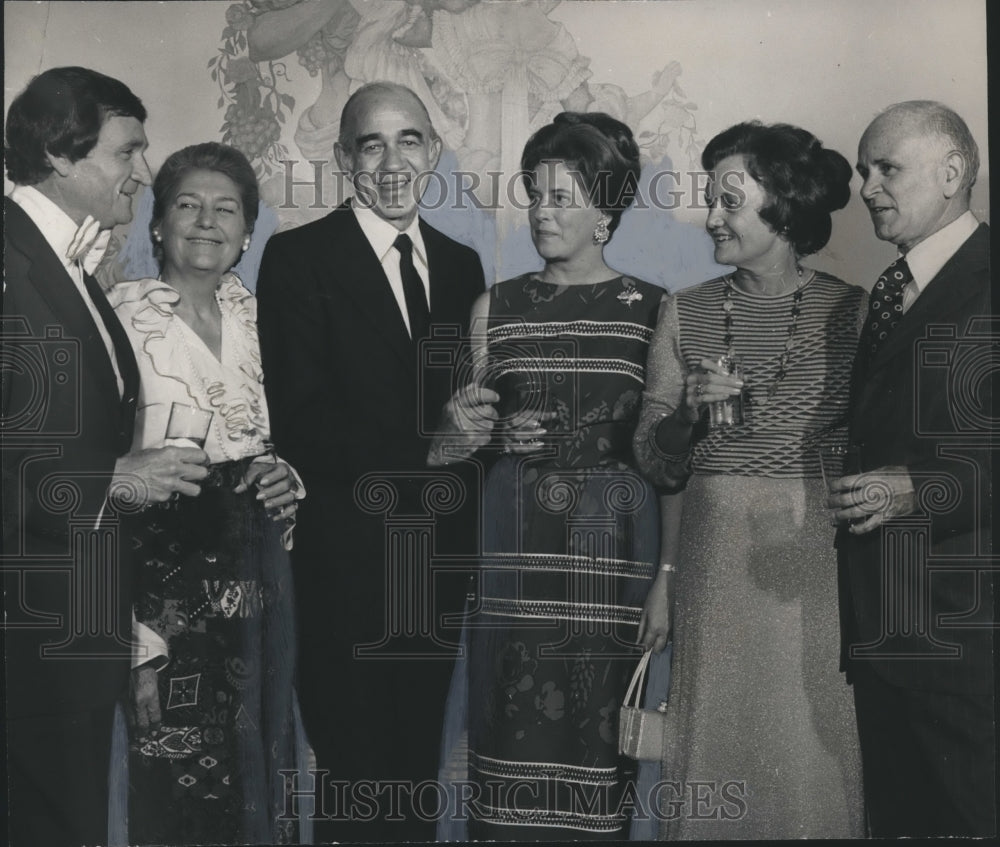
176	366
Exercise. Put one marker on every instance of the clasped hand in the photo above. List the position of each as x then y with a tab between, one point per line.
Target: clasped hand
276	486
144	705
467	424
656	619
154	475
708	383
868	499
523	433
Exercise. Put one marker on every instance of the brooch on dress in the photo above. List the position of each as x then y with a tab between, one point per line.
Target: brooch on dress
630	295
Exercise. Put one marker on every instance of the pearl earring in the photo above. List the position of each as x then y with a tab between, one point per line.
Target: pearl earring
157	236
246	243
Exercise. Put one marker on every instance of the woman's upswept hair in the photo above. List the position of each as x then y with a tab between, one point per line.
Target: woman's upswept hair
599	148
805	182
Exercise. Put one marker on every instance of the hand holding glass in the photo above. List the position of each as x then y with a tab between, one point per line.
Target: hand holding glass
729	411
835	462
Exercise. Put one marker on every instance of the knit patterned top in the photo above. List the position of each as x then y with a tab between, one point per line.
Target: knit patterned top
787	420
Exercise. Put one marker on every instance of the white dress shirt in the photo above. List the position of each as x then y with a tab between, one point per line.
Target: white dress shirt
381	234
931	254
59	231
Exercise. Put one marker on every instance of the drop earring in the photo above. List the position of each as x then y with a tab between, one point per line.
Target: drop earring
156	236
246	243
601	231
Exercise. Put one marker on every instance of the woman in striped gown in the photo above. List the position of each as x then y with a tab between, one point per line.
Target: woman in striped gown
570	535
760	739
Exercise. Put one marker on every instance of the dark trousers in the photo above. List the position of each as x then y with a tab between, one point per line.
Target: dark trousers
57	767
377	729
929	760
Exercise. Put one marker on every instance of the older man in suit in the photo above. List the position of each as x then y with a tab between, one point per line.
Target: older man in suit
75	151
915	576
344	303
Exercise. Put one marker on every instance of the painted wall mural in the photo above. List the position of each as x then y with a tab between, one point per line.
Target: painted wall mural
271	77
490	73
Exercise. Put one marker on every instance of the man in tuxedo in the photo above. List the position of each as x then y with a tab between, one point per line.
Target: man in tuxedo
916	589
75	151
344	304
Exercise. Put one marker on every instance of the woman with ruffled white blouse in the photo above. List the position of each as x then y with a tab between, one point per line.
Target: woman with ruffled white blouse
211	711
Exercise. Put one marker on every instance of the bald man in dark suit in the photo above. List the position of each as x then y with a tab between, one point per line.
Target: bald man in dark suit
345	302
916	579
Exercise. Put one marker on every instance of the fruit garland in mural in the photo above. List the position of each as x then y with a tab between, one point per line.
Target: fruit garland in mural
256	107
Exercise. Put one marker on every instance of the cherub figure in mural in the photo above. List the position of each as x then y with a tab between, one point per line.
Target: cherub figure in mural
518	68
348	43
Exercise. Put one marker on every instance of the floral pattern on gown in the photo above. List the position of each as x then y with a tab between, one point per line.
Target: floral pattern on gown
569	549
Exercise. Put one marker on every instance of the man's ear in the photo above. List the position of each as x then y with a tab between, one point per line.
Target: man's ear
60	164
954	166
345	161
434	150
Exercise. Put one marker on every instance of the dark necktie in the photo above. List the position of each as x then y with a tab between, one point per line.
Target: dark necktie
413	289
885	306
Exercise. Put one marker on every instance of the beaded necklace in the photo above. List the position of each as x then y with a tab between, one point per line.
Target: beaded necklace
727	339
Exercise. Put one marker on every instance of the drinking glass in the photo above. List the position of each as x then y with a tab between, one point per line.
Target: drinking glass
837	461
187	426
523	400
728	412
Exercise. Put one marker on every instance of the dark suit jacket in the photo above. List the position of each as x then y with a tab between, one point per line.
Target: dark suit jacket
64	426
922	402
345	394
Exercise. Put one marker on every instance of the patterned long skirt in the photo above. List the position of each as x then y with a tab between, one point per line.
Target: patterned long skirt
552	645
213	581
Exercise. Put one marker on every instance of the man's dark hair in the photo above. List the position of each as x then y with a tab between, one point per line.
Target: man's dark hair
61	112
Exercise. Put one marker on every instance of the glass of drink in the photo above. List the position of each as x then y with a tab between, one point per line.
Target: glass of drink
187	426
728	412
831	463
837	461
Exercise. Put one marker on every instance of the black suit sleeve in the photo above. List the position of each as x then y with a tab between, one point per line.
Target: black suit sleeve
952	398
57	433
307	422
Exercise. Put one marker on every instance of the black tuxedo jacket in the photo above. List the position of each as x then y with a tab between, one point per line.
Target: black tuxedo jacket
64	426
348	397
922	401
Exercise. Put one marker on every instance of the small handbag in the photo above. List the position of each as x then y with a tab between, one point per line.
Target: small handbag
640	731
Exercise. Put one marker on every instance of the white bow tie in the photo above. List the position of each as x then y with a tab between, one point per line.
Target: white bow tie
88	245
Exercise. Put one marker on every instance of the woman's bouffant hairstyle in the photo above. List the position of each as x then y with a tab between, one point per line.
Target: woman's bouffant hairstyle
210	156
61	112
600	148
805	181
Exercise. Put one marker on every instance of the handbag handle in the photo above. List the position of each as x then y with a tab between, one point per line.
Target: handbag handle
638	678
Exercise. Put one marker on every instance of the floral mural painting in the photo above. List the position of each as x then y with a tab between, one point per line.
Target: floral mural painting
255	107
489	73
471	62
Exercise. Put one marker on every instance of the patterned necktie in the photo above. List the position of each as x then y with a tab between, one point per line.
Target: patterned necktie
413	289
885	308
